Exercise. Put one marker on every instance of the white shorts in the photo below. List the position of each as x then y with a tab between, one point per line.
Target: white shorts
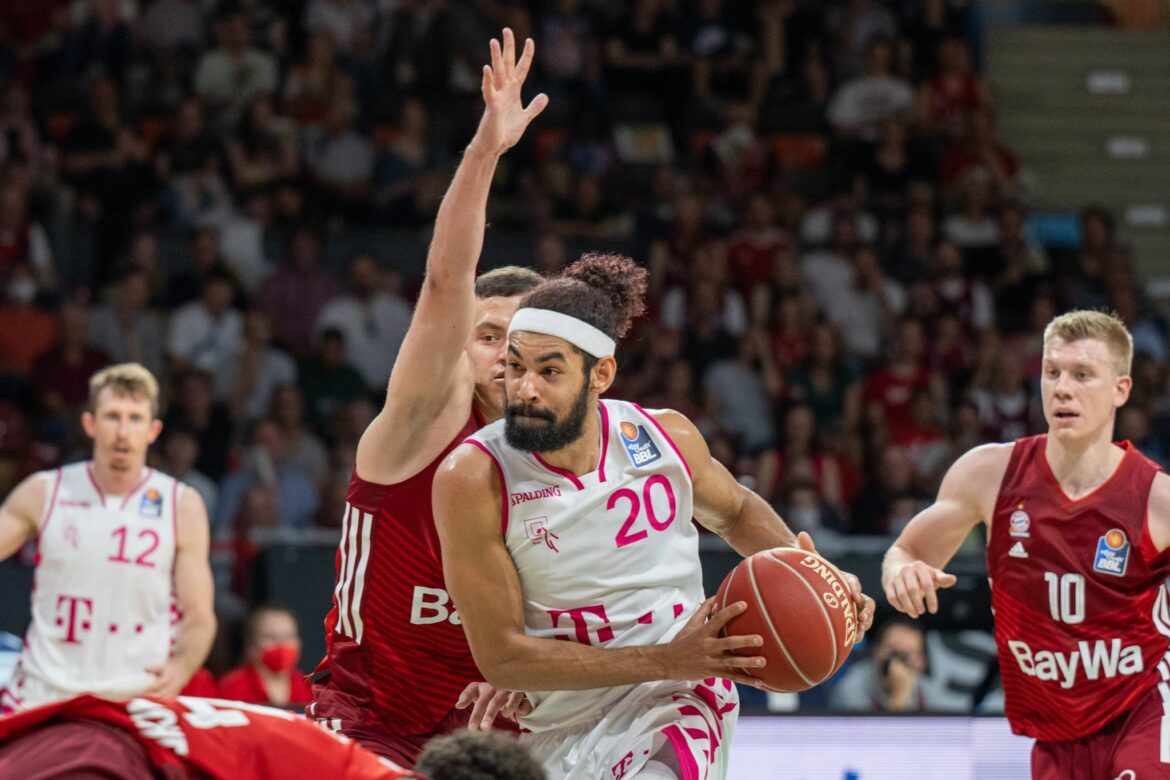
685	725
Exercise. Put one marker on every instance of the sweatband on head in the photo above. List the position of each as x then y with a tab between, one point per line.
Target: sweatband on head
577	332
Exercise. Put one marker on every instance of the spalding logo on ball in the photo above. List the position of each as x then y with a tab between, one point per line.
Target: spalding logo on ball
800	604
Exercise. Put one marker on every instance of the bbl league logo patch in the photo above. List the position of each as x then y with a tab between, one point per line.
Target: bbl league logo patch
639	446
1112	553
151	505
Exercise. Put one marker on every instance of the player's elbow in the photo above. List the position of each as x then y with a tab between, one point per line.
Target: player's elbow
503	666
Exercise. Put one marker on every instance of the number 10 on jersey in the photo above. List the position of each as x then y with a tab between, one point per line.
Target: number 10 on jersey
1066	597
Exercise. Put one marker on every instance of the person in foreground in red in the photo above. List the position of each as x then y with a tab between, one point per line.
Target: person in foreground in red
397	668
272	647
1078	529
145	738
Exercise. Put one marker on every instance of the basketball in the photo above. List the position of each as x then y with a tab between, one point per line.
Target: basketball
801	606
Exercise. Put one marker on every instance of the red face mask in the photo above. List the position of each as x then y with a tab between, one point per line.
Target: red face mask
280	658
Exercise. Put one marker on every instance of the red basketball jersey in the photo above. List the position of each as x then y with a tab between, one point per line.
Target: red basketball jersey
218	739
396	649
1082	623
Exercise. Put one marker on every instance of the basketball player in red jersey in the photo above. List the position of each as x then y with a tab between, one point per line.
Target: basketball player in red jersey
146	738
1078	529
397	660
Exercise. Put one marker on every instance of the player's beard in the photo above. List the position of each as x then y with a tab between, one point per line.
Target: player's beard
556	435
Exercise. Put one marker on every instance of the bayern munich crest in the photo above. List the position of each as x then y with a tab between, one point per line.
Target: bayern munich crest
1019	523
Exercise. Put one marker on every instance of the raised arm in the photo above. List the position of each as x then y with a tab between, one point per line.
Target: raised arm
20	513
431	362
912	570
195	594
485	587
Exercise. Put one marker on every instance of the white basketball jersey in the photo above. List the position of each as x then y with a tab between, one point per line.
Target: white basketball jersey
610	558
101	602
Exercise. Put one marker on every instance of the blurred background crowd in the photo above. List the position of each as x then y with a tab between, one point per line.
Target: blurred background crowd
848	286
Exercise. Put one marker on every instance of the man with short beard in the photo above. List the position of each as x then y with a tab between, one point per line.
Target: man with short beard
570	520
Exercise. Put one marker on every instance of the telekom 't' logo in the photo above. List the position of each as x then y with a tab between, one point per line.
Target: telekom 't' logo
581	624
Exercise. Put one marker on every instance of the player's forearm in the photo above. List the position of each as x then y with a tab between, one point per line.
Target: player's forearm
532	664
459	226
193	641
756	527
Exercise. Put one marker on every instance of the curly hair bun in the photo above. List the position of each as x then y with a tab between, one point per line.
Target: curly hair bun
620	279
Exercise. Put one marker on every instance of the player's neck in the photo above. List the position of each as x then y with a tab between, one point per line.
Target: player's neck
1081	468
116	483
583	455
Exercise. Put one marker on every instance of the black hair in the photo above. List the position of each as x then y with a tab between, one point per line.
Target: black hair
477	755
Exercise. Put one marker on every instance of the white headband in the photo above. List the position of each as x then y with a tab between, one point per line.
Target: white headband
577	332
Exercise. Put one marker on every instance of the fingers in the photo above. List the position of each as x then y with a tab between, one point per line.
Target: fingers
493	706
722	617
944	580
899	598
509	53
467	696
521	72
512	703
737	641
926	582
538	104
743	679
475	719
486	85
497	68
743	662
701	614
805	542
525	707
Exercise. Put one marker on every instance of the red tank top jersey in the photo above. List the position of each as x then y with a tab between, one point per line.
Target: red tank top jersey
1081	610
395	648
213	738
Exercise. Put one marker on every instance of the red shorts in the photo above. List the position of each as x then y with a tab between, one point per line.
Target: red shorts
386	741
1135	746
80	750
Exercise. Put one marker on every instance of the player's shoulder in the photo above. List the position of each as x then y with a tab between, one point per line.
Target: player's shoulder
1159	500
670	422
983	467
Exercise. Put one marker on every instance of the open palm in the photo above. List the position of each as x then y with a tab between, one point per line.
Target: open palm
505	117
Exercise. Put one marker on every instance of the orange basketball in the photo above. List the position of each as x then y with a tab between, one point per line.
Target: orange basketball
801	605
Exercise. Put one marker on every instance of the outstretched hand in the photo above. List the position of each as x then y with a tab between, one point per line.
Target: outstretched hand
504	117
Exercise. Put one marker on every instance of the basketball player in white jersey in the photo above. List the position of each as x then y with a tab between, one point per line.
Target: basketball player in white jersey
571	520
119	545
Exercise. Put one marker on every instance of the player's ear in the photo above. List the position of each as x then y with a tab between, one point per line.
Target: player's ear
156	426
87	423
604	372
1121	388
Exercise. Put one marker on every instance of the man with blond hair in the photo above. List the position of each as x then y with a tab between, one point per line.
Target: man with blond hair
1078	529
120	546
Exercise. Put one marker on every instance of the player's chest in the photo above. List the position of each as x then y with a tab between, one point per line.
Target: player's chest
81	533
1037	546
631	521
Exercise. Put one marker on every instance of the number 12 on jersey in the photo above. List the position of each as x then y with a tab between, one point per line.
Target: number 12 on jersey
1066	597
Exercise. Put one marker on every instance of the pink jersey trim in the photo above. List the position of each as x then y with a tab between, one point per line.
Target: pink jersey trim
560	471
686	760
669	440
92	481
604	441
503	484
52	502
130	495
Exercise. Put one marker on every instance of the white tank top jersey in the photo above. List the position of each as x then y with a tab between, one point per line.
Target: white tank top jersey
102	595
610	558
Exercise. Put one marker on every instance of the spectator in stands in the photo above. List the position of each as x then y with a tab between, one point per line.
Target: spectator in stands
1006	401
180	453
642	53
328	380
372	319
854	25
949	100
801	458
61	374
722	50
266	468
893	678
207	333
974	225
25	330
230	76
340	20
21	146
407	183
125	328
959	293
742	391
23	242
194	408
979	155
305	450
189	161
263	151
248	380
827	381
862	105
340	162
890	388
866	309
296	292
269	674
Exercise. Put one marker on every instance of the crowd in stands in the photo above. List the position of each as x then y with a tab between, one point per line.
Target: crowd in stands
846	288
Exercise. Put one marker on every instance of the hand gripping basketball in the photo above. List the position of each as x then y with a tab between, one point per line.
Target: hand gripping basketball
699	651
